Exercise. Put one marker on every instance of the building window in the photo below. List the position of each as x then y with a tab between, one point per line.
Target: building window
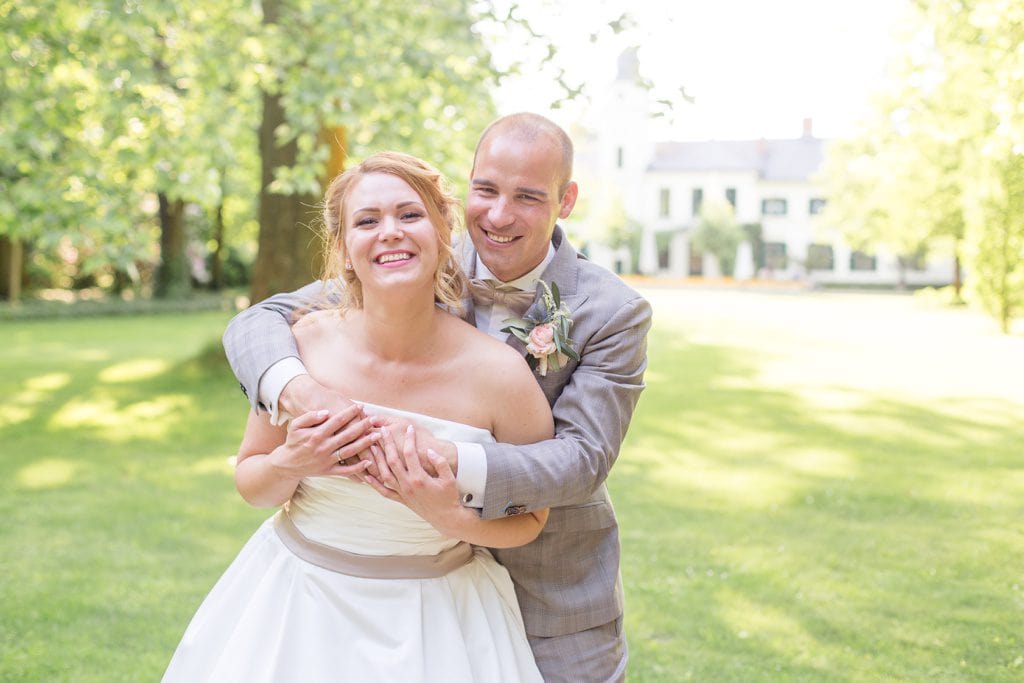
820	257
775	255
816	206
618	158
665	203
861	261
773	207
730	196
698	200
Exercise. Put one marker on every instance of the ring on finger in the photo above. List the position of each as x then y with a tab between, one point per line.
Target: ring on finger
337	456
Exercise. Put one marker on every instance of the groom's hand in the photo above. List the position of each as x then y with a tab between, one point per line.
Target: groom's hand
303	394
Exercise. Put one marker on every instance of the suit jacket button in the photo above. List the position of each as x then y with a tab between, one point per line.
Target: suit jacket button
514	510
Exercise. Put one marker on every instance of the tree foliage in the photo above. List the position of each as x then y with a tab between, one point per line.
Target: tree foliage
127	128
719	233
108	108
938	164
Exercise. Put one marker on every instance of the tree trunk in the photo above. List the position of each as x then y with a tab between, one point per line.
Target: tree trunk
290	253
336	140
217	258
288	247
122	282
172	275
958	282
11	259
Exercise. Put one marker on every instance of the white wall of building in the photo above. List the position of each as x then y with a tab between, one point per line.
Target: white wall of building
618	177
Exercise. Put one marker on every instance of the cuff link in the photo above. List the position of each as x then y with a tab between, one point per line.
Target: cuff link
511	510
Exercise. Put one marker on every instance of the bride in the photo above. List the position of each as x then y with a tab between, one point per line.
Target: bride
343	583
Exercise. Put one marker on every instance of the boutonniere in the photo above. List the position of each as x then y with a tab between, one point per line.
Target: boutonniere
544	328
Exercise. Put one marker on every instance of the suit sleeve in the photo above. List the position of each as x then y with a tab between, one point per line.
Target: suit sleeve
591	416
261	335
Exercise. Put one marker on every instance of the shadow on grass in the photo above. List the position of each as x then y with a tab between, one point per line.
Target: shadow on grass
766	537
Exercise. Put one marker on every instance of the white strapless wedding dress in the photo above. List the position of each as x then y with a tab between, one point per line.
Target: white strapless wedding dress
275	617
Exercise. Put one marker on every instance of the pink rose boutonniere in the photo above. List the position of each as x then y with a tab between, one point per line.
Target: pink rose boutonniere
544	328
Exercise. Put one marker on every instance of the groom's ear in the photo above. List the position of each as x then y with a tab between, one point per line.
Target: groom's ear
568	199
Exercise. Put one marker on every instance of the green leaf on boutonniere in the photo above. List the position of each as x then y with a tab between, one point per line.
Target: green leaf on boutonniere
521	335
553	364
521	323
557	297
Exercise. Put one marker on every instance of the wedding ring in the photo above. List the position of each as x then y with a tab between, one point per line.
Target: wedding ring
337	455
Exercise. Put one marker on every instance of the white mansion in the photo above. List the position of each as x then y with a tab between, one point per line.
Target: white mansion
657	189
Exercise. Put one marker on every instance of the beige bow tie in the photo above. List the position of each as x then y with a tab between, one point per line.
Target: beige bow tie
490	292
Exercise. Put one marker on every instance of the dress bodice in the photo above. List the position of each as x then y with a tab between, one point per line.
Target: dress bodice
352	516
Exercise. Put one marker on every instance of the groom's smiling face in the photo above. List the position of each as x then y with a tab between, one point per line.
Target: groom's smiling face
515	200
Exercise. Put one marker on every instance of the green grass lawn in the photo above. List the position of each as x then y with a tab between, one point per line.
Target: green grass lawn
818	487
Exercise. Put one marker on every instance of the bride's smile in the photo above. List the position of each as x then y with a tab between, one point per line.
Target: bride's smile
394	258
389	232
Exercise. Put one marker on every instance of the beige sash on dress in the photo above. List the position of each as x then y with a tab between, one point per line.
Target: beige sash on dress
370	566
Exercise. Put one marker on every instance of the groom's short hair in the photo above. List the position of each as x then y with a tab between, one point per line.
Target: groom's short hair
528	127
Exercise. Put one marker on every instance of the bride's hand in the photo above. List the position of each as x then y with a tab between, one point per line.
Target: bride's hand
318	443
403	478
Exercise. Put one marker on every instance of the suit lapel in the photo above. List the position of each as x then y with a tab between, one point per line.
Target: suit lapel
563	271
466	256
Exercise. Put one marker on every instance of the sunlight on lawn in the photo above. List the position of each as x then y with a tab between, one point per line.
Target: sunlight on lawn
770	626
46	383
883	345
19	406
992	489
217	464
134	370
49	473
146	419
758	484
818	462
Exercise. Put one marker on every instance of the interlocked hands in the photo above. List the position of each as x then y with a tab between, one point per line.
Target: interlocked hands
319	443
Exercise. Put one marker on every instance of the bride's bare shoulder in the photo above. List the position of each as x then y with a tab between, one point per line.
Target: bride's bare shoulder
484	351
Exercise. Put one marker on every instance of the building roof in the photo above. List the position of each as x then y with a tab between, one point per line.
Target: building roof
794	159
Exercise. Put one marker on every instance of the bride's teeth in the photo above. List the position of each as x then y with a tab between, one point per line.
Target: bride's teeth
388	258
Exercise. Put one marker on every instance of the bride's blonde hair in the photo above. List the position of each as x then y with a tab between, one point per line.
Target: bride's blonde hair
442	208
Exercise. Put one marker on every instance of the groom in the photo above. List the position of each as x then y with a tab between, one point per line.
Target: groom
567	581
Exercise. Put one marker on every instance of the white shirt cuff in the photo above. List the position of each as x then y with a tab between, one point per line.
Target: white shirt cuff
273	382
472	477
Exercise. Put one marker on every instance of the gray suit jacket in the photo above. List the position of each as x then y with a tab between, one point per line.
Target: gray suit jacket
568	579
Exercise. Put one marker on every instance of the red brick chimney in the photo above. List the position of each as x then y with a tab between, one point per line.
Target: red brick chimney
808	128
